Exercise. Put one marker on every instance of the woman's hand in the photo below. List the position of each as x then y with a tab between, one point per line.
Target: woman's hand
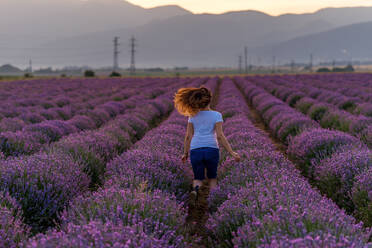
184	157
235	156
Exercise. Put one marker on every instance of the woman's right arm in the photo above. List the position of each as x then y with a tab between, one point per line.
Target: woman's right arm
187	141
225	143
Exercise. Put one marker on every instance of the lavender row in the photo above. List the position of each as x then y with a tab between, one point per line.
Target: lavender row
136	207
263	201
289	85
325	113
51	99
352	85
352	95
332	159
19	96
284	121
44	183
344	167
357	86
33	137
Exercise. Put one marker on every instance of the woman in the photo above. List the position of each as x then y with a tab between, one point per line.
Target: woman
203	136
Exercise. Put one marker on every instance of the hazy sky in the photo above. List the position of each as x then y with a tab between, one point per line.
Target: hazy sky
273	7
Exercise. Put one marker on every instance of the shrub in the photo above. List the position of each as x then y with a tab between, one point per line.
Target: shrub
12	231
336	120
92	150
335	175
294	98
98	234
304	104
11	124
115	74
89	73
323	69
317	111
18	143
294	126
82	122
42	184
159	213
313	145
362	196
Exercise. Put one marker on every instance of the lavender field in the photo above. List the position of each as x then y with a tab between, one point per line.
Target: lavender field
97	163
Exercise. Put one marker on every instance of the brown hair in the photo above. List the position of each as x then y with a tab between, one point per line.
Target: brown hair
189	101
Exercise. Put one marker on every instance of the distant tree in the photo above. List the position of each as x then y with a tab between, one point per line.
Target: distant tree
89	73
185	68
338	69
323	69
44	70
348	68
28	75
63	75
156	69
115	74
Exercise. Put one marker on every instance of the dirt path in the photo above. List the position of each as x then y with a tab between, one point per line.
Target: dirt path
258	122
198	214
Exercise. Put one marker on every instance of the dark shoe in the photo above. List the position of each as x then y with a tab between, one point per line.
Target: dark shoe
193	198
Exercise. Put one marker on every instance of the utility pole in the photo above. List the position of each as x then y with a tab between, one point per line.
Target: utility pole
311	63
274	64
292	65
240	63
30	66
246	58
333	64
116	53
132	57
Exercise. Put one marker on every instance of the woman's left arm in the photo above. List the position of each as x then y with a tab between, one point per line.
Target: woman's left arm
187	142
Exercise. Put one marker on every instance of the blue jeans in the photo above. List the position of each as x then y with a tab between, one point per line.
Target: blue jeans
205	158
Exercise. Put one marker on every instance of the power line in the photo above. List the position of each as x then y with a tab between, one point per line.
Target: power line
116	53
246	58
133	45
30	66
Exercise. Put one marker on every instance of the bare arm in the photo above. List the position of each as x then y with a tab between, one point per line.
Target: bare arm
187	141
225	143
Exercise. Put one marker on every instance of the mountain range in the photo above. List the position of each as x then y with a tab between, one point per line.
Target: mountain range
72	32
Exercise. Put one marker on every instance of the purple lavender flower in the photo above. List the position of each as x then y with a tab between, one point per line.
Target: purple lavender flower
11	124
335	176
316	144
158	213
362	196
42	184
103	235
12	231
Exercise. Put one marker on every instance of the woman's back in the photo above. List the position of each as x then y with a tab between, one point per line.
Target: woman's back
204	129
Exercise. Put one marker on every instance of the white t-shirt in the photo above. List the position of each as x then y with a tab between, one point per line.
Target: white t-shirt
204	129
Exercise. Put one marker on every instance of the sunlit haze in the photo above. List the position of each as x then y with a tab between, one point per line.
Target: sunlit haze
273	7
